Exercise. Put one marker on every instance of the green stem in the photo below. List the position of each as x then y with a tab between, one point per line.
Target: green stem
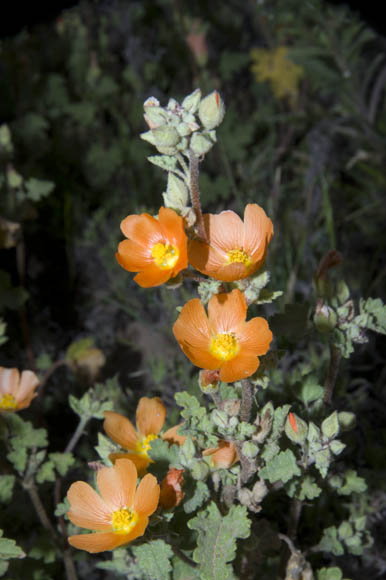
332	374
77	434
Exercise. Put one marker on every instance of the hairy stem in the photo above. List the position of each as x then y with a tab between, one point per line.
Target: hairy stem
246	400
294	517
77	434
332	374
183	557
30	488
195	195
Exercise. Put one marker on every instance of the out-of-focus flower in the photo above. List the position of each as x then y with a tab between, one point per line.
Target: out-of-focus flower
235	249
171	489
223	456
16	392
196	40
222	339
156	248
275	66
150	418
119	514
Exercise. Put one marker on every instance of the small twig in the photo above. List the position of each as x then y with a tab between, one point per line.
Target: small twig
49	372
77	434
196	277
30	488
246	400
332	374
195	195
294	517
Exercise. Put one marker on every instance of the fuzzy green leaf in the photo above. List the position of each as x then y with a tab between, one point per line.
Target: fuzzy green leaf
329	574
38	188
6	487
62	461
216	542
372	315
201	495
322	461
281	468
191	406
330	542
352	483
46	472
182	571
153	559
122	563
9	549
165	162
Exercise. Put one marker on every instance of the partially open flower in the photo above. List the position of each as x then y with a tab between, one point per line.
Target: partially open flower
235	249
16	392
157	249
222	339
223	456
119	514
150	418
171	489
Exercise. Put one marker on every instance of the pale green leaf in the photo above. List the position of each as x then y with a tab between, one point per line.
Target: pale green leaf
153	559
7	483
201	494
9	549
216	541
281	468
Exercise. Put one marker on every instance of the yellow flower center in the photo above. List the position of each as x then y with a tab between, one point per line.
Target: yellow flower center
123	520
8	402
165	256
224	346
239	256
143	445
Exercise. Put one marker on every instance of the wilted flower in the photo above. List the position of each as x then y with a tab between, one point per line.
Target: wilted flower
16	392
223	456
222	339
235	249
150	418
171	489
157	249
119	514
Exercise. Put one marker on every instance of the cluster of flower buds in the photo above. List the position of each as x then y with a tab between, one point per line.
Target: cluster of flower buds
189	126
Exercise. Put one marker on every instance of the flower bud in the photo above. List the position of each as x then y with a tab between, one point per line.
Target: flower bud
295	428
346	420
192	101
231	407
325	318
155	117
330	426
200	144
211	110
166	136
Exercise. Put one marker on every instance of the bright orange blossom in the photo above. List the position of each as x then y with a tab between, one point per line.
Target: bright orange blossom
119	514
150	418
223	456
235	249
222	339
157	249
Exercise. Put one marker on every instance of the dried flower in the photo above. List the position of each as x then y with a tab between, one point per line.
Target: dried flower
235	249
16	392
150	418
171	489
222	339
157	249
119	514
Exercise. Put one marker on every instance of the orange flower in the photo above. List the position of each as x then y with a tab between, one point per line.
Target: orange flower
16	392
223	456
150	418
222	339
157	249
119	514
171	489
235	249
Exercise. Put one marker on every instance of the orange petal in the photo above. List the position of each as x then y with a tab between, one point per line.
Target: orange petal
150	416
224	230
134	257
117	484
240	367
227	311
172	436
231	272
142	229
254	336
120	430
147	496
28	382
9	381
87	509
152	276
224	455
140	461
99	542
258	230
172	225
206	259
192	332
